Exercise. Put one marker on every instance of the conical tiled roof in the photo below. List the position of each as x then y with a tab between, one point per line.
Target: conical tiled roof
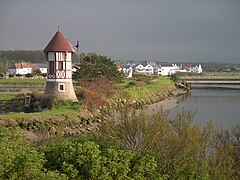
59	43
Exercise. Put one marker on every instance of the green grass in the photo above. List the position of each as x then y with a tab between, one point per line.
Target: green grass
156	86
25	82
146	89
4	97
66	109
22	82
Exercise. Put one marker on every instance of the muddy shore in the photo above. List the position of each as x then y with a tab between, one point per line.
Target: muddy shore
165	104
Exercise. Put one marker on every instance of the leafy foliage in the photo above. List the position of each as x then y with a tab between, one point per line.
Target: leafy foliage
88	160
174	77
182	150
19	160
94	66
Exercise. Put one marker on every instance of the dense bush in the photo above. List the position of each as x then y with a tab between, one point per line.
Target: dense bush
88	160
11	75
183	150
174	77
19	160
28	75
38	103
95	94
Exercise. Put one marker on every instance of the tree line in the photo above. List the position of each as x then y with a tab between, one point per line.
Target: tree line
34	56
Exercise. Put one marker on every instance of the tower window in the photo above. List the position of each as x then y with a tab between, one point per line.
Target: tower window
60	65
51	67
61	87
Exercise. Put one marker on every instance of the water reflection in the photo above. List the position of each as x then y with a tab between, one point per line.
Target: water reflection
17	89
220	105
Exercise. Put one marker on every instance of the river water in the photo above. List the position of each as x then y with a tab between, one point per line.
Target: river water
222	106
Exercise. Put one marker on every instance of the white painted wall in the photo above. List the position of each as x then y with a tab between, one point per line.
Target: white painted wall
139	69
43	70
24	71
168	70
68	56
149	70
196	69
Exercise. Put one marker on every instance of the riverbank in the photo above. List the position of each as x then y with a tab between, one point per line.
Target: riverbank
166	104
67	119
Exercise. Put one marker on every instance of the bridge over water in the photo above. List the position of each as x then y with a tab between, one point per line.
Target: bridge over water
212	81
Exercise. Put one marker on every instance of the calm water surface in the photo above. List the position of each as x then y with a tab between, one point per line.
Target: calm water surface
219	105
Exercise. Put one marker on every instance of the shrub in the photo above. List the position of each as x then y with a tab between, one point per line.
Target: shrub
20	160
28	75
11	75
130	84
44	75
174	77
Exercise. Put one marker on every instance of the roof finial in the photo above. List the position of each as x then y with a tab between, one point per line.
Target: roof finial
58	28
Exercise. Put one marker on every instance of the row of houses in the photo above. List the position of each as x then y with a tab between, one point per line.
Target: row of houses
23	68
152	68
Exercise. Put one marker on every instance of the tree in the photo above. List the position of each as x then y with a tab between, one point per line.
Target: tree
93	66
82	56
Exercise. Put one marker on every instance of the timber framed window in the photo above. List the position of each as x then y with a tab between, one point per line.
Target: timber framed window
51	67
60	65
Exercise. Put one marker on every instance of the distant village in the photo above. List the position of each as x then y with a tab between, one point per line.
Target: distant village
128	69
154	69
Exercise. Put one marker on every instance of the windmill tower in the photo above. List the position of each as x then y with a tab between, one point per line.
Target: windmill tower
58	54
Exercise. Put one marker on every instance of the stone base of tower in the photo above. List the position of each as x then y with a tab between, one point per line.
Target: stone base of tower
62	90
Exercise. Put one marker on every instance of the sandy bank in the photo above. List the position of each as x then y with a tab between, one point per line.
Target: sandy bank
166	104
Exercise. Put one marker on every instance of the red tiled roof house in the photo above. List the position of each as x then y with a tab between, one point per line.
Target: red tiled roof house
21	68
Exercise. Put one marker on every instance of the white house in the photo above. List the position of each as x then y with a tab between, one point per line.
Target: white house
126	69
21	68
128	72
168	70
149	69
41	66
139	69
196	69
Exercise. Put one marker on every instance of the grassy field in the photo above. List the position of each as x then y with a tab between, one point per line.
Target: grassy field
155	86
19	82
148	88
65	109
24	82
4	97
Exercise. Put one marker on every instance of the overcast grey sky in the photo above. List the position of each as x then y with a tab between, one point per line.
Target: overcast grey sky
164	30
